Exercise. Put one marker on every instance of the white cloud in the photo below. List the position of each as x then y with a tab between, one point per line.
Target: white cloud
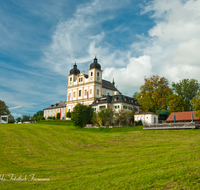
16	115
128	78
15	107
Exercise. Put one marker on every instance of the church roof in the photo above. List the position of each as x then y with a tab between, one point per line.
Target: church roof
108	85
95	64
56	105
74	71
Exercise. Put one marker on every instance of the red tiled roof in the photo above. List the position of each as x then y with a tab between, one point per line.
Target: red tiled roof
183	116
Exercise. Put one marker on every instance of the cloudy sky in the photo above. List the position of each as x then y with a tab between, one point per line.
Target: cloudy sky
39	41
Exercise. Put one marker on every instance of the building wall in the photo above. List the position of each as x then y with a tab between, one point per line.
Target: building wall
146	118
52	112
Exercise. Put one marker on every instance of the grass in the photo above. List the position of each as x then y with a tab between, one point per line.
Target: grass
104	158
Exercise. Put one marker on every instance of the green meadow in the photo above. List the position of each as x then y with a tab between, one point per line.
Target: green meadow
56	155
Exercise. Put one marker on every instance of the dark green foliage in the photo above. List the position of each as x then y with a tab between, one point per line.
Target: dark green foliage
51	117
4	108
69	114
38	116
81	115
137	123
187	88
11	119
58	116
18	119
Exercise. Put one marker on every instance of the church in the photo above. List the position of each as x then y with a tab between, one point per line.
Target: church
91	90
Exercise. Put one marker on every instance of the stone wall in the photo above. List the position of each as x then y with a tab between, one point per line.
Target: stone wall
186	125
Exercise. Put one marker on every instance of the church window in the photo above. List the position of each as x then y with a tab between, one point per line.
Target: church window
74	94
97	91
91	74
90	91
79	93
70	78
97	74
81	79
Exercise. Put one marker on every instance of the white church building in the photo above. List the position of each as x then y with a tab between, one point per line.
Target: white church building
90	89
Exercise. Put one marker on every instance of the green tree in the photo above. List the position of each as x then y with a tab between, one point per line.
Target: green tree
105	116
26	118
68	114
38	114
124	117
187	88
196	105
154	93
81	115
4	108
177	104
58	116
11	119
18	119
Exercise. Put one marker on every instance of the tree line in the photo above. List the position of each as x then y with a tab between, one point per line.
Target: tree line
156	94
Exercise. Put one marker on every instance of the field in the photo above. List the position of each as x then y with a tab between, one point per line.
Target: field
56	155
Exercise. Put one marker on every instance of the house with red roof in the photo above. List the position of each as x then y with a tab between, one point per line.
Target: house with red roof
187	116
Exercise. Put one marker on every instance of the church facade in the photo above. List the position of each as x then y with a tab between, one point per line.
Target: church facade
91	90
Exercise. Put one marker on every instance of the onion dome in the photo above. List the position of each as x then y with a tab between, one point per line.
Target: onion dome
95	64
74	71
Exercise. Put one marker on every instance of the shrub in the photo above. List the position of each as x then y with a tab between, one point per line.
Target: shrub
69	114
81	115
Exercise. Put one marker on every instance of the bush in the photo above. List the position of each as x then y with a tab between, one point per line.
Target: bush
69	114
81	115
58	116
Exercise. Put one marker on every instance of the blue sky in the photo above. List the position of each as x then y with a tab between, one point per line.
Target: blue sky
41	39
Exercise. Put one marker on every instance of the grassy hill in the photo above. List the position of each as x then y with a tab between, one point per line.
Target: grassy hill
118	158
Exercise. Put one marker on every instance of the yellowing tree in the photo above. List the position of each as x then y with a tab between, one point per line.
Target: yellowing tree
177	104
196	105
154	93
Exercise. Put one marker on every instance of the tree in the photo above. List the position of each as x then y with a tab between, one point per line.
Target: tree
68	114
124	117
104	116
4	108
11	119
18	119
135	95
196	105
187	88
176	103
81	115
37	115
154	93
58	116
26	118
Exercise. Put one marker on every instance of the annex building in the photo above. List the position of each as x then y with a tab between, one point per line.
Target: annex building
91	90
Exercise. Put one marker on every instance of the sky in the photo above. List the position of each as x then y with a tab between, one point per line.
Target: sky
40	40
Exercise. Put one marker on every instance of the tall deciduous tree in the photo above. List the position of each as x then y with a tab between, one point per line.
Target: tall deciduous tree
4	108
196	105
177	104
154	93
81	115
187	88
